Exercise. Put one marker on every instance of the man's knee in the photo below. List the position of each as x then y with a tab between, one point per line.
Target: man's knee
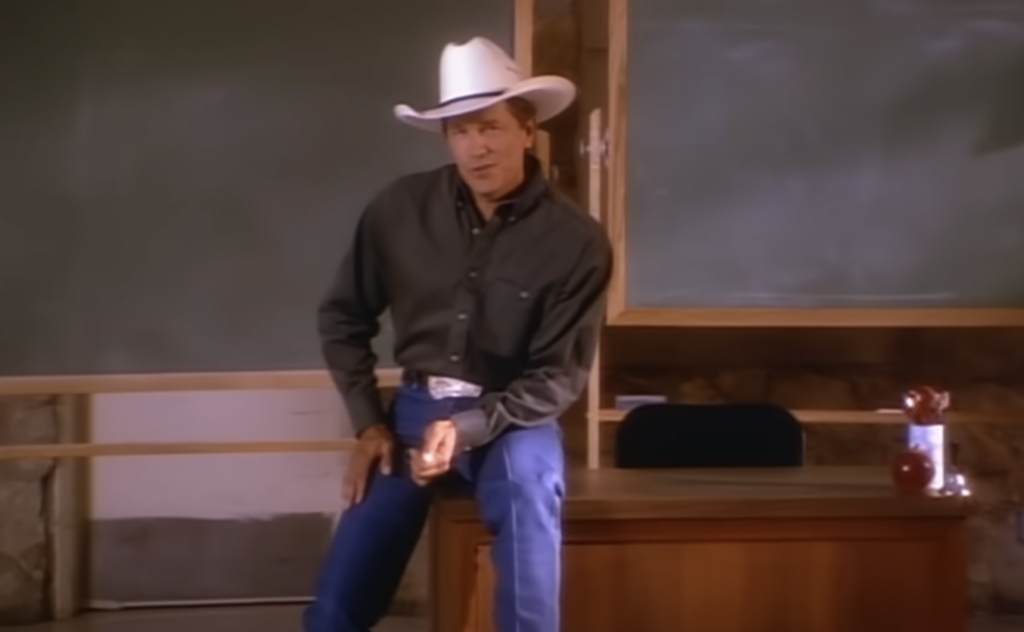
368	554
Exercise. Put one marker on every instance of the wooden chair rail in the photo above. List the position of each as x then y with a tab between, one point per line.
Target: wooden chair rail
167	382
93	450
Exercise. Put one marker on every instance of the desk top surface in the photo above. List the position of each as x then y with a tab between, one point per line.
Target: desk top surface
809	492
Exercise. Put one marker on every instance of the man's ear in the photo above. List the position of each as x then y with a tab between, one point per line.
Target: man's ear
531	135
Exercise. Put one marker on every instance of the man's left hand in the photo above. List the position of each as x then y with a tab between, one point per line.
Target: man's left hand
435	458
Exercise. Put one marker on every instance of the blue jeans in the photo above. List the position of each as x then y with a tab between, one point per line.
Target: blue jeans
518	481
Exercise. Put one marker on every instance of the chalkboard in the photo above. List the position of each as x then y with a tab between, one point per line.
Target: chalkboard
178	179
791	154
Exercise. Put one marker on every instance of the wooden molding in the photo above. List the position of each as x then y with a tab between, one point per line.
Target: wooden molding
612	415
756	317
523	36
594	204
93	450
542	150
615	213
68	490
162	382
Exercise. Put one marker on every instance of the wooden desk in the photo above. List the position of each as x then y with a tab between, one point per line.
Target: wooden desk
813	549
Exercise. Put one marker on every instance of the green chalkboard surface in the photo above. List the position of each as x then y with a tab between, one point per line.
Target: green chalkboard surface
179	179
790	154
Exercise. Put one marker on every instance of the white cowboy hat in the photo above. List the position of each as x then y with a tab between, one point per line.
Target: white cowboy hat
478	74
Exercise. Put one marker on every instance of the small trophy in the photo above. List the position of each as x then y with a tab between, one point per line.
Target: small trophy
921	467
930	463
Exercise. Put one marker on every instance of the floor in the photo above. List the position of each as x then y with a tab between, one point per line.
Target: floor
285	619
249	619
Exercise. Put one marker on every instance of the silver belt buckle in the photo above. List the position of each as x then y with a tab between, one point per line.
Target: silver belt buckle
442	387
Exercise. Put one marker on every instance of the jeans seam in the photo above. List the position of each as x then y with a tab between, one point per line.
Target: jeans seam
514	538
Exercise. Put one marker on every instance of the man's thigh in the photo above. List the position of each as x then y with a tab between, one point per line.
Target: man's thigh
522	454
523	466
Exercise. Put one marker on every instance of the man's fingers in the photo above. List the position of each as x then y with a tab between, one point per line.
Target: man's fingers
386	455
439	444
422	471
355	478
417	462
447	446
416	467
375	443
424	461
352	490
358	488
430	445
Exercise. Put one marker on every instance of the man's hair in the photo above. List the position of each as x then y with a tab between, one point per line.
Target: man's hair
522	110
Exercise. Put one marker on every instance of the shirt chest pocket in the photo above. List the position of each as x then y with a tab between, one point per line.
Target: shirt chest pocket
510	314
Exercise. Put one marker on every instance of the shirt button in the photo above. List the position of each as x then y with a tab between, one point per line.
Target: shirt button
461	316
476	231
454	357
524	294
472	274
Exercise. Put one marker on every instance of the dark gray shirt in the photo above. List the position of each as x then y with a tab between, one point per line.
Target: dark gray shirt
514	305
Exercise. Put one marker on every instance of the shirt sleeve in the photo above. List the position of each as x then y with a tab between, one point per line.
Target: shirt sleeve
561	354
349	319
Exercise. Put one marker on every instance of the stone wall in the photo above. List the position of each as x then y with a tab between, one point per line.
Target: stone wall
24	551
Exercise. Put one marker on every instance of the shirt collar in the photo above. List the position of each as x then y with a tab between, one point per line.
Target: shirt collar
520	201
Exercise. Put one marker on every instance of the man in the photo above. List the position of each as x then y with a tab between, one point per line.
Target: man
496	288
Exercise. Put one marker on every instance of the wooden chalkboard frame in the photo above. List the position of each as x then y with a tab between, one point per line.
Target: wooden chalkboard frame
249	380
620	313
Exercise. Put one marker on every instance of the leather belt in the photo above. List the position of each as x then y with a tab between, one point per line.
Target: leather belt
441	386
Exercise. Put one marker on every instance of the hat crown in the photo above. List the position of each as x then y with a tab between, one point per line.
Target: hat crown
476	67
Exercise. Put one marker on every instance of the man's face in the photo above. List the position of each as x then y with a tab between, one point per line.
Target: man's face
488	148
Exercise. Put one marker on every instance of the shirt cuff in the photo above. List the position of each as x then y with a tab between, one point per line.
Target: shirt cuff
471	428
363	412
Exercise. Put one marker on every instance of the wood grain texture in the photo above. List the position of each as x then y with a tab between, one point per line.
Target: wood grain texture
523	36
749	560
801	492
615	211
595	158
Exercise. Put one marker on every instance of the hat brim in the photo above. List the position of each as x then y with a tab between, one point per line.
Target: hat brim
550	95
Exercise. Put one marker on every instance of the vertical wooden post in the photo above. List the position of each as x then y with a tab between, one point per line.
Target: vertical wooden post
595	153
68	511
523	35
542	151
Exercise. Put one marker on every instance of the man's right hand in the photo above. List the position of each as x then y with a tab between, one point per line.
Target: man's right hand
376	446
